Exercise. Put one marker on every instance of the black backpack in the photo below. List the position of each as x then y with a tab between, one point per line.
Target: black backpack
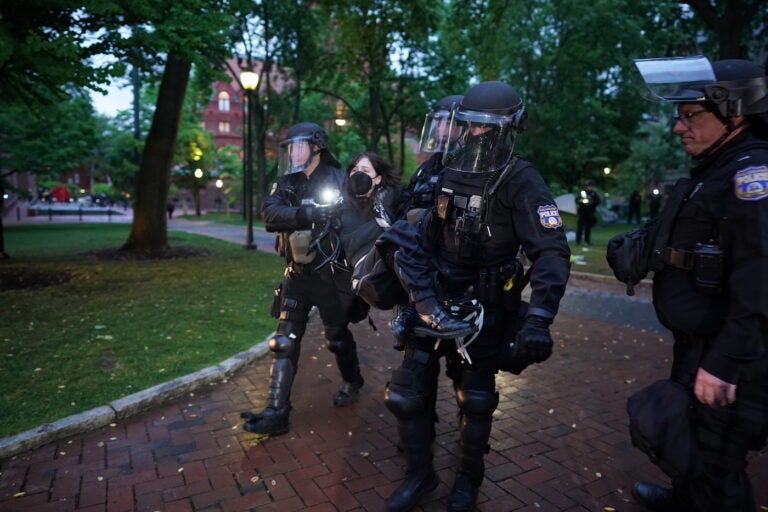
661	425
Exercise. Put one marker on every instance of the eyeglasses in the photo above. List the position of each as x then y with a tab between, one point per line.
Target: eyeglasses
687	118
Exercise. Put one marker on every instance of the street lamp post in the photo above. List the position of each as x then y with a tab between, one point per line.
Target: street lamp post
250	81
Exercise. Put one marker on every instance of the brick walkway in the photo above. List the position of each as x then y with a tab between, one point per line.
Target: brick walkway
559	440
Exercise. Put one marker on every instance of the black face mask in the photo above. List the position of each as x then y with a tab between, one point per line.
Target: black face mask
360	183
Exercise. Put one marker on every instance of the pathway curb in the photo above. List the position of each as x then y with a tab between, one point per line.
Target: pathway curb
129	405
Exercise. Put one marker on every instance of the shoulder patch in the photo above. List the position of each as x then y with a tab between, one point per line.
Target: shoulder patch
751	183
549	216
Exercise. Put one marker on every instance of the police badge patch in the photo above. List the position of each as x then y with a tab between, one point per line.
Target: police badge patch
549	216
751	183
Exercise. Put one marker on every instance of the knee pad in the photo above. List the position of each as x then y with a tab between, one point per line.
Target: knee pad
341	345
294	310
281	345
401	396
474	402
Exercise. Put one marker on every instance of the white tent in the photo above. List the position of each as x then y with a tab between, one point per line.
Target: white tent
566	203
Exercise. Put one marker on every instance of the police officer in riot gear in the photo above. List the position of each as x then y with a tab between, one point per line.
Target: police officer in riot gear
489	204
709	288
434	135
419	195
298	211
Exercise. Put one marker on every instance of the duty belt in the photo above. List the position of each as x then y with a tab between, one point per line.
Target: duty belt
678	258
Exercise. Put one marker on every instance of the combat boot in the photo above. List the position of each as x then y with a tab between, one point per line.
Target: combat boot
352	379
416	436
463	494
347	393
654	497
415	485
273	419
269	421
474	430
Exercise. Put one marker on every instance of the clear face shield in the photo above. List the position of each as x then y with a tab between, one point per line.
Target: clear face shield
436	132
483	141
295	155
676	79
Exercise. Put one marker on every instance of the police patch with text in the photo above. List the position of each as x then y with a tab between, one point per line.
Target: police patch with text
549	216
751	183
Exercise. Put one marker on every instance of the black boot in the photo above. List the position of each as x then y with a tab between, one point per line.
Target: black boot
463	494
415	485
416	437
474	432
654	497
438	323
273	419
347	393
269	421
349	367
402	325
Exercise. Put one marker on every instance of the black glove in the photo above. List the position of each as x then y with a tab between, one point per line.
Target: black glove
324	213
534	342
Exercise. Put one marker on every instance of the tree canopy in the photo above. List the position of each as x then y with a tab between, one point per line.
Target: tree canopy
380	64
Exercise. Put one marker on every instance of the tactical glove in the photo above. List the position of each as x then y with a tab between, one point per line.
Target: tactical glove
322	214
534	343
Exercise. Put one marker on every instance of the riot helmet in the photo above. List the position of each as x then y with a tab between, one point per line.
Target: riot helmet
435	131
732	87
486	121
301	144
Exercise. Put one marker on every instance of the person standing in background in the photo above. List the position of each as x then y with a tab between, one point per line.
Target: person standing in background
586	216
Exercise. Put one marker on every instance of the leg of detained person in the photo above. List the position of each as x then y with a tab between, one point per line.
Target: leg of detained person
410	396
285	347
414	273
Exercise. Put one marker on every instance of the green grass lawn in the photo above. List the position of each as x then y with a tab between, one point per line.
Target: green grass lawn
593	256
229	217
117	327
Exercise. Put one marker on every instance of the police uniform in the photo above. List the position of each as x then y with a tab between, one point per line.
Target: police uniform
421	188
711	294
286	210
474	257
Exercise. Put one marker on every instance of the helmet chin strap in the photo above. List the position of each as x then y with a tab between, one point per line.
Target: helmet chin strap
729	129
303	167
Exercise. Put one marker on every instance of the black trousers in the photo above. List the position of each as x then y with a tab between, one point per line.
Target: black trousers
725	434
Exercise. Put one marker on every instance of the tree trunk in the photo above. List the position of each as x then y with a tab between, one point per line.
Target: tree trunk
149	231
3	254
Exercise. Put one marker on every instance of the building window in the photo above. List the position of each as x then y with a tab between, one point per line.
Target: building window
224	101
224	126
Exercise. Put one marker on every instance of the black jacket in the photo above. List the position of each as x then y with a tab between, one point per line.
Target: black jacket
521	214
288	207
726	205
